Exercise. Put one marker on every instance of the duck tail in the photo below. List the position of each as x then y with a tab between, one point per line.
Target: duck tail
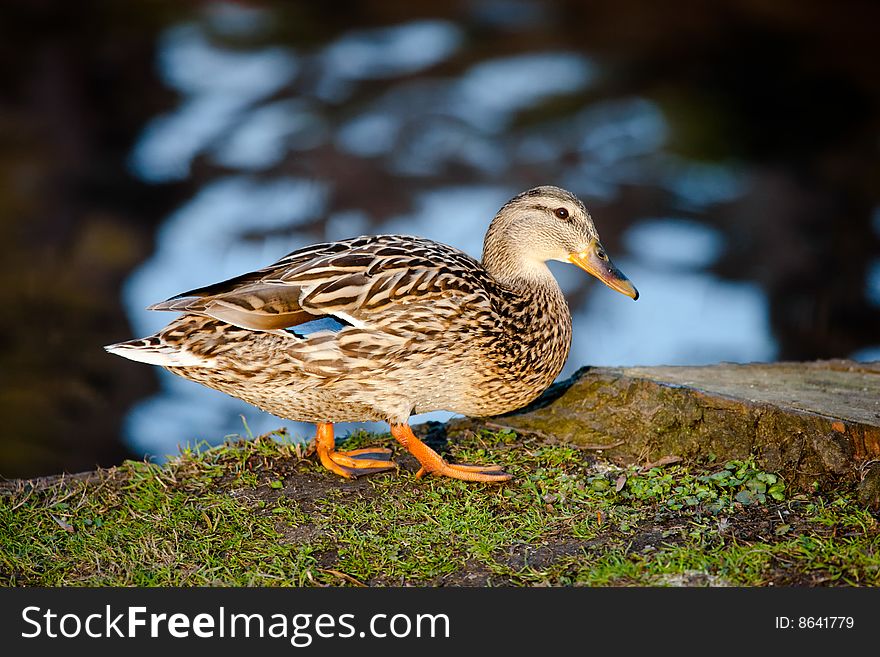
155	351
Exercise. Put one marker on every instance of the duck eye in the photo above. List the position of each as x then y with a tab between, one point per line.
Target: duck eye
562	213
601	254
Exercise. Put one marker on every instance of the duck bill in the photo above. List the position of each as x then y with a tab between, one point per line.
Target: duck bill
604	270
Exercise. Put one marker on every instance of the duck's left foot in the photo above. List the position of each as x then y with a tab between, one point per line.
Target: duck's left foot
433	463
354	463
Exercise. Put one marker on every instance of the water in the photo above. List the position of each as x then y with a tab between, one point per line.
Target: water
686	316
426	125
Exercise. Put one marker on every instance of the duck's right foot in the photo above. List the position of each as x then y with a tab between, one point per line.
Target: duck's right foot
433	463
466	472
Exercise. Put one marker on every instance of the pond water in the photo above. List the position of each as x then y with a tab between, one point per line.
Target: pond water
425	124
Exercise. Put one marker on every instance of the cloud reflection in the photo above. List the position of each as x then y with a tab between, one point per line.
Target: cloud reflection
216	85
674	243
681	318
491	93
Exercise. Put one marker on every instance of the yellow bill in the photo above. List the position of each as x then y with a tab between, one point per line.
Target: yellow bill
595	261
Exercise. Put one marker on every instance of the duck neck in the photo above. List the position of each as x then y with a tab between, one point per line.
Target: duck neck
516	268
532	305
534	297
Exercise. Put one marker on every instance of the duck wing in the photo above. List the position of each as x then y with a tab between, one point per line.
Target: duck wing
353	281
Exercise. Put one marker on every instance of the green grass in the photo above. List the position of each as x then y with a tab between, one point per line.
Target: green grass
256	513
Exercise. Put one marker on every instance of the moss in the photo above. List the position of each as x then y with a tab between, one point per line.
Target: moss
260	512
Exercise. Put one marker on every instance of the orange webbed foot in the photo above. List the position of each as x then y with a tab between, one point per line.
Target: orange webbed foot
354	463
433	463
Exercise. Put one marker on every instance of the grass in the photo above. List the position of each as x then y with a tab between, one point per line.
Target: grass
258	513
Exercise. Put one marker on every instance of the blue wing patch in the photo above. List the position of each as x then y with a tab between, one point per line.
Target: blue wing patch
327	323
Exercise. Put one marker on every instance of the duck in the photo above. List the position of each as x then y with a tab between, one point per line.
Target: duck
382	327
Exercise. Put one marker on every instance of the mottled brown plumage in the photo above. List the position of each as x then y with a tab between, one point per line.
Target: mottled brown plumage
420	326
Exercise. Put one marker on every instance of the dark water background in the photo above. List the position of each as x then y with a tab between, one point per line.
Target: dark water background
729	152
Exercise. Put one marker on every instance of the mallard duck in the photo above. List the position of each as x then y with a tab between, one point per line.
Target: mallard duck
382	327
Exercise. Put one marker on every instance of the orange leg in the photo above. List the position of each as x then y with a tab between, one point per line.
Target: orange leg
433	463
351	464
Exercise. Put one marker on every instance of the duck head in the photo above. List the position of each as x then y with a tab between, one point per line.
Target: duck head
548	223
